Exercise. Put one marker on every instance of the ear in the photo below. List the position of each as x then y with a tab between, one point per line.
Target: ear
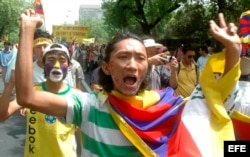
105	68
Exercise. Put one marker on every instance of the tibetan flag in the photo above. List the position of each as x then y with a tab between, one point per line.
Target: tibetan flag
153	116
245	30
198	128
241	124
38	6
205	123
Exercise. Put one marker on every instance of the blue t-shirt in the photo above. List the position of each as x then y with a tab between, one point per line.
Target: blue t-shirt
10	66
5	57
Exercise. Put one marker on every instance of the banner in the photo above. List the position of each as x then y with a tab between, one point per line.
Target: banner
70	33
88	40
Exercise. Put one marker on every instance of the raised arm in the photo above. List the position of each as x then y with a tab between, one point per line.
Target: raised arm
8	107
227	35
26	96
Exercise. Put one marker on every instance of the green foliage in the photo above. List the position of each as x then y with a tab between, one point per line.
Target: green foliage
97	30
141	16
9	22
192	20
170	19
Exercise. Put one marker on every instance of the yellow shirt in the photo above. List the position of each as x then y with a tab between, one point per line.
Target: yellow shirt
46	136
187	80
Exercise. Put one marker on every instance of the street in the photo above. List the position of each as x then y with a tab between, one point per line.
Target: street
12	134
12	131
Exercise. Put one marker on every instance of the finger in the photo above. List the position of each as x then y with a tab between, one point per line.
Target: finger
232	28
213	26
222	21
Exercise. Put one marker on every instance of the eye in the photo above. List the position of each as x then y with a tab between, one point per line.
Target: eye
62	60
122	56
51	60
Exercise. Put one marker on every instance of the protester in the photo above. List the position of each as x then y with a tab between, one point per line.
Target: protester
5	56
41	40
203	58
82	55
45	135
75	71
160	76
94	84
124	119
210	49
188	73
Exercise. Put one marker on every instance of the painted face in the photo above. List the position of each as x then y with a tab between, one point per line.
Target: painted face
127	66
56	67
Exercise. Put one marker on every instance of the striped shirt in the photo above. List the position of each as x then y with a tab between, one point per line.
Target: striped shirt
101	135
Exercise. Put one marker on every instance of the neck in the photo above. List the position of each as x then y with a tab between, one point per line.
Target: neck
186	64
40	64
205	54
55	87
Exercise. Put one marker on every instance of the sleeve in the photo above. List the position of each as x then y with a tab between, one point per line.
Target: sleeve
78	107
79	70
10	66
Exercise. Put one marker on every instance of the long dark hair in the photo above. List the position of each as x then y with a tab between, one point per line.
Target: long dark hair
105	80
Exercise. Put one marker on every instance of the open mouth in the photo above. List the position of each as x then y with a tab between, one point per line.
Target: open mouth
55	72
130	80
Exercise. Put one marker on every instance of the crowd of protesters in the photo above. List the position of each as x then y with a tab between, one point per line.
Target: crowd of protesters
137	82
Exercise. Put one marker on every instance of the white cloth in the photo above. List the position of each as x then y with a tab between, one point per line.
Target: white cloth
38	73
242	103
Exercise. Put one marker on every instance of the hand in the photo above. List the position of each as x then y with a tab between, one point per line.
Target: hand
173	64
157	60
23	111
227	35
30	20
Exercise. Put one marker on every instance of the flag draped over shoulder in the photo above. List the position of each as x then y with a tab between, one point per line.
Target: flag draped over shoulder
38	7
205	123
196	129
153	116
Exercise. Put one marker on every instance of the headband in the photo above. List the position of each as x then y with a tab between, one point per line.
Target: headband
41	41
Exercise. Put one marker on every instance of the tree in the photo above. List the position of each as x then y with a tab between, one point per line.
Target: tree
10	12
192	20
141	16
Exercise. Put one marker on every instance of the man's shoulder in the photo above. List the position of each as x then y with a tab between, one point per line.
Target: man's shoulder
74	62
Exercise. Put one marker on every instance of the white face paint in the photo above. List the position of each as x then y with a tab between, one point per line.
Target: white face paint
56	75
